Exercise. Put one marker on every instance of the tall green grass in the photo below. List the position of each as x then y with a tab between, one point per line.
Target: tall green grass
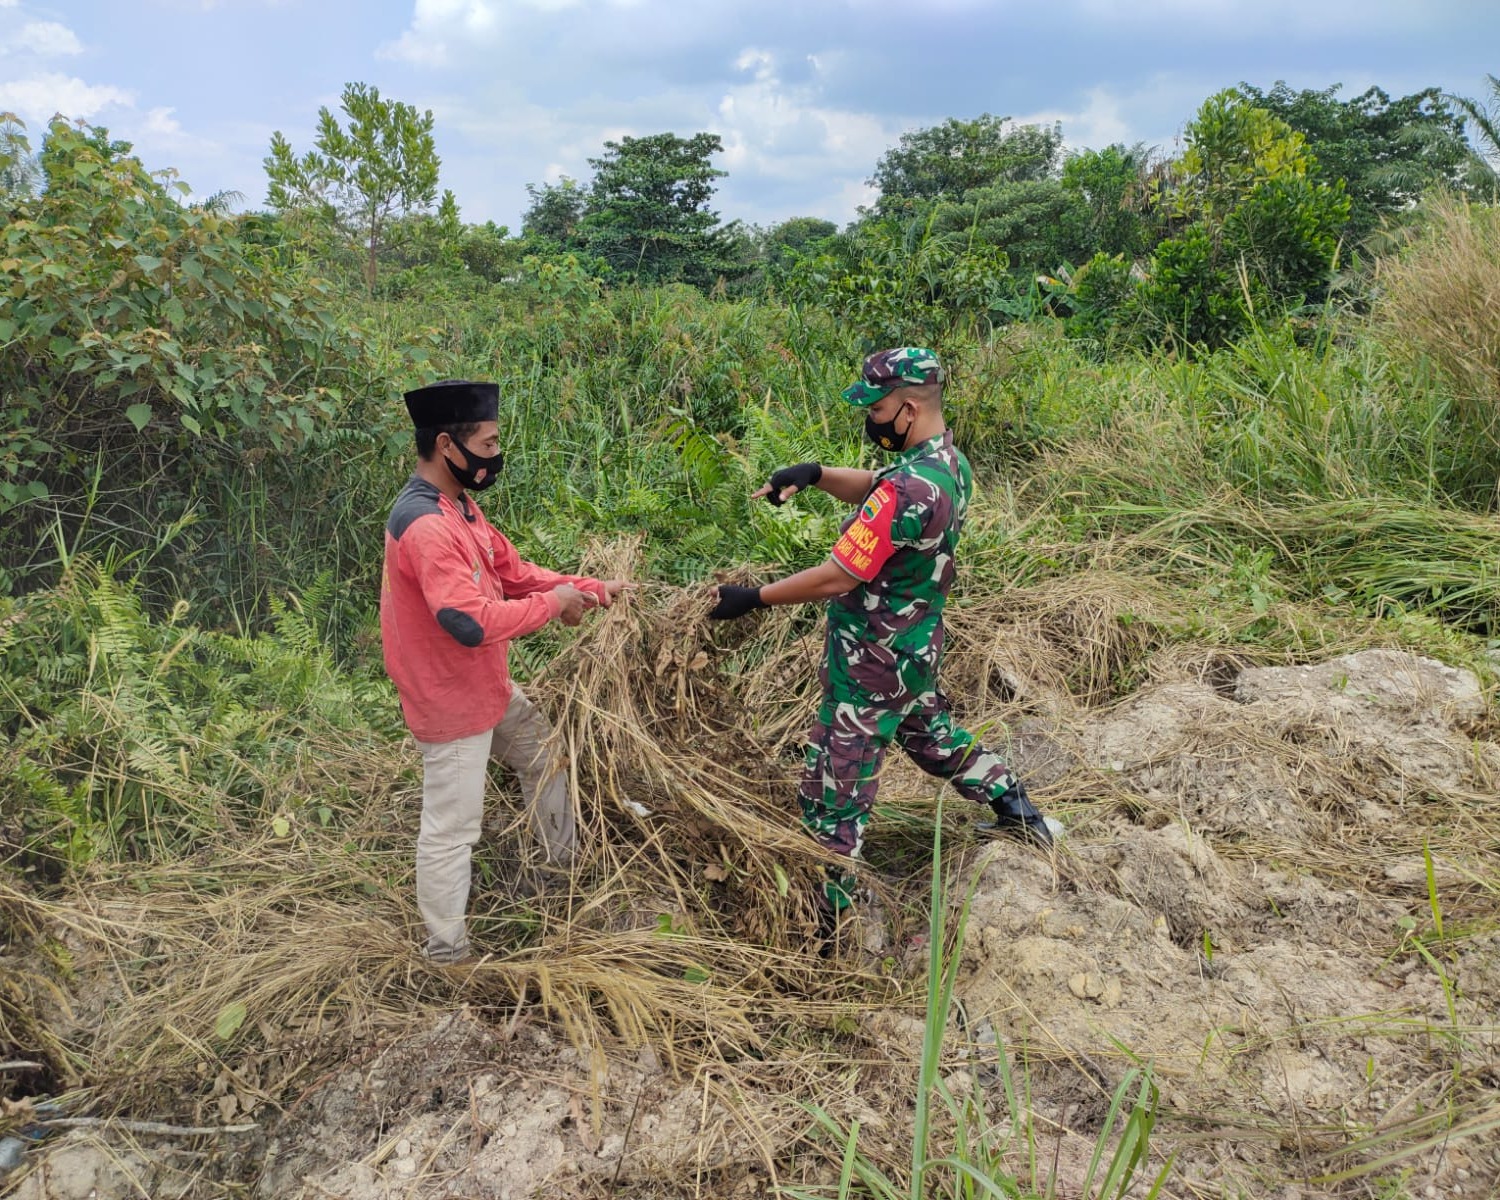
1346	463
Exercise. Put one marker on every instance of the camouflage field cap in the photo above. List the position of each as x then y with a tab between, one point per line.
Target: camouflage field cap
886	370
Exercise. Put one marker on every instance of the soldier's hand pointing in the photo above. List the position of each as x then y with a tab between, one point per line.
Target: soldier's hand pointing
786	482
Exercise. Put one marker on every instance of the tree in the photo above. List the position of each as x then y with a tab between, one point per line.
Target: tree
20	169
555	213
1484	116
901	282
1115	199
1263	226
1232	148
1387	152
647	215
1033	221
489	251
384	166
777	250
430	239
796	235
945	161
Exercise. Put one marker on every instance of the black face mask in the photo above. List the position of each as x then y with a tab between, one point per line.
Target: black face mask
884	433
473	464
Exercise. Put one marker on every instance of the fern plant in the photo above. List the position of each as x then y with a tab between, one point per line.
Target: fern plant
132	736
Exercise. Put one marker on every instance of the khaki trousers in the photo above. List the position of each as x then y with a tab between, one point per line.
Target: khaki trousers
453	779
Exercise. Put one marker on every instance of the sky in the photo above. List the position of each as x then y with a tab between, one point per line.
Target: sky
806	95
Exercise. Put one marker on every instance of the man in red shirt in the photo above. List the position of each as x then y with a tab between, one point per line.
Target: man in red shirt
454	592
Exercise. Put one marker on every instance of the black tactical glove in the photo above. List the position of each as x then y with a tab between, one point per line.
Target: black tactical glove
735	601
801	477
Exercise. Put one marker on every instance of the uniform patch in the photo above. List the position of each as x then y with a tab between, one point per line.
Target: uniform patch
864	547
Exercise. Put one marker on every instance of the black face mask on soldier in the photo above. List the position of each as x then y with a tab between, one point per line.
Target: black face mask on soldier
473	465
884	433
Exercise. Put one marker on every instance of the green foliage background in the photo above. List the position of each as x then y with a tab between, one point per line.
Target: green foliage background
202	430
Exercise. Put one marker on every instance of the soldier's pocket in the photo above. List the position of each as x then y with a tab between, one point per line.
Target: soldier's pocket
876	673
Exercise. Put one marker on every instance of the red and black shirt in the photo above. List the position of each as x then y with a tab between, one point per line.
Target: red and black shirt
453	593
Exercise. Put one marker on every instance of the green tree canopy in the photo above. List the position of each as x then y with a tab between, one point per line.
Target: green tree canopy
1115	208
895	282
1262	226
647	214
555	212
1387	152
382	167
1035	222
1233	147
945	161
797	234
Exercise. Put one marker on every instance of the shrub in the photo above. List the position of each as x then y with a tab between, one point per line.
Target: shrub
160	361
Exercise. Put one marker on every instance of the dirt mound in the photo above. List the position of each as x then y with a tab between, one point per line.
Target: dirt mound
1243	916
1188	922
469	1109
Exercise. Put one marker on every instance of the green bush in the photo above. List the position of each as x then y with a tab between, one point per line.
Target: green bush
1192	296
1098	300
132	736
156	355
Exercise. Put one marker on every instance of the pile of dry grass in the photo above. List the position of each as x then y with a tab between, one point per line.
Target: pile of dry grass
1072	641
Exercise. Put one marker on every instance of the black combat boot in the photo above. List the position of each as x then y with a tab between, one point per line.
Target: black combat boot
834	901
1017	817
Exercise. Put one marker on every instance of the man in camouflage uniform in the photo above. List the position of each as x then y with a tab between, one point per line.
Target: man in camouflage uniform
886	583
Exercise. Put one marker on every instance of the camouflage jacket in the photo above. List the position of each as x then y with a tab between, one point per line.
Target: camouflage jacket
885	637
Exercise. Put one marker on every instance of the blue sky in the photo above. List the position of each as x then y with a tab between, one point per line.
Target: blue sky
806	94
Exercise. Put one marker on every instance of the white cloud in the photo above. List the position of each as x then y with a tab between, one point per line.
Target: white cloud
777	129
1101	122
161	123
414	48
782	139
41	96
436	23
158	137
444	30
46	39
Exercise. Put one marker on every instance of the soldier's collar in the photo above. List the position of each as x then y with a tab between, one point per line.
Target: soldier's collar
921	450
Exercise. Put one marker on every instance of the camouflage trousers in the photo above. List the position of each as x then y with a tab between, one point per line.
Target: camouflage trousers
847	745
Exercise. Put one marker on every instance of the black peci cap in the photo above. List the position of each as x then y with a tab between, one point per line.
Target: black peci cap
453	402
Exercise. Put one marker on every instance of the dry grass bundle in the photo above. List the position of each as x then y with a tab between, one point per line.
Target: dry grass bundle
678	734
1070	641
